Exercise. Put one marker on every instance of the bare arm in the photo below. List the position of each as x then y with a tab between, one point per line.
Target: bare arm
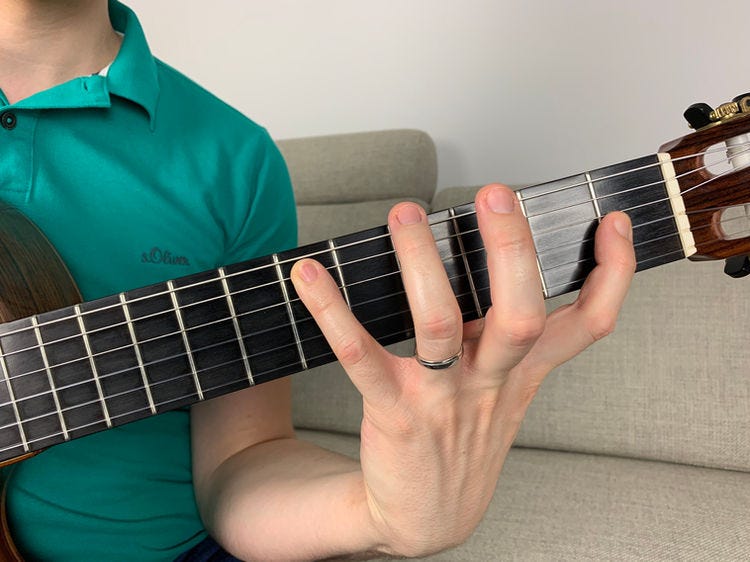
433	442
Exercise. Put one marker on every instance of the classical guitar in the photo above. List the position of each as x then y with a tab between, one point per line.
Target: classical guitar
68	369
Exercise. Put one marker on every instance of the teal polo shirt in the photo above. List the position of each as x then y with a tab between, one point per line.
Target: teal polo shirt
135	177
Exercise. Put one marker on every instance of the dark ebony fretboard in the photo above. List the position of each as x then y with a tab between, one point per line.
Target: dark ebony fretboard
107	362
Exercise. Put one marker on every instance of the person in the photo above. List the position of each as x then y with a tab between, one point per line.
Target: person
121	161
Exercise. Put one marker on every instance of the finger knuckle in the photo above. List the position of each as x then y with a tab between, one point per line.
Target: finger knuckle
601	327
352	351
522	332
514	245
439	325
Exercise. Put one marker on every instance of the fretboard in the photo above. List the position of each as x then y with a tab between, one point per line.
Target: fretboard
107	362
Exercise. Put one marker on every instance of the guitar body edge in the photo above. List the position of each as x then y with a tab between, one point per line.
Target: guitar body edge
33	279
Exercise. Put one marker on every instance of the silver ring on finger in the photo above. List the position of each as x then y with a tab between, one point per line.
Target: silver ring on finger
440	365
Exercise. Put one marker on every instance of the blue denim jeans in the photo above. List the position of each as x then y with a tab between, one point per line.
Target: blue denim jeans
208	550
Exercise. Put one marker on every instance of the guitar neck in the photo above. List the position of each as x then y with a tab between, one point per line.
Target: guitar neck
103	363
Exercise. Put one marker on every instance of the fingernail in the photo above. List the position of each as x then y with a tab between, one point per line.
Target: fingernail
308	272
622	226
409	214
501	200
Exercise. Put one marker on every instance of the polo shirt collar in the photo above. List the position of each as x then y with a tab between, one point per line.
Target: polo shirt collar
132	75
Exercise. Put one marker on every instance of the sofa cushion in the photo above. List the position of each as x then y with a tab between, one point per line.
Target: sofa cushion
566	506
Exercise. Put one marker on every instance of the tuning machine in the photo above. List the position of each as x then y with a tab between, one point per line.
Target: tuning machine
737	267
701	115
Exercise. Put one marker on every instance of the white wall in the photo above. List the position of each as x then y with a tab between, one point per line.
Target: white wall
513	90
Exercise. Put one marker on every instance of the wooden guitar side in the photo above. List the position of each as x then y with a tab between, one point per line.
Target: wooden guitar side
33	279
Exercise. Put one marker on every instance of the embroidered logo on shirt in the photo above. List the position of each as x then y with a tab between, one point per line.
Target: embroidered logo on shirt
164	257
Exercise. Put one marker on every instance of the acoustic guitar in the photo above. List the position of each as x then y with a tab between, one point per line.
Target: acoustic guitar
70	368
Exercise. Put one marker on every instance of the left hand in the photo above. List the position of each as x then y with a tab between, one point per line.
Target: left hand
434	442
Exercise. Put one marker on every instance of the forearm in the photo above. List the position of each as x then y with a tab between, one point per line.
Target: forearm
287	499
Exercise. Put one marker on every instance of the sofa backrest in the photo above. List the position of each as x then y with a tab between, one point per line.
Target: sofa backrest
671	384
346	183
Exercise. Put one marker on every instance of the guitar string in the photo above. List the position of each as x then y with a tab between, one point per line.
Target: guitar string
361	242
286	279
188	376
733	155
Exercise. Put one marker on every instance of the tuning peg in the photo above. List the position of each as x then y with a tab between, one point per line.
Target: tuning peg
737	266
698	115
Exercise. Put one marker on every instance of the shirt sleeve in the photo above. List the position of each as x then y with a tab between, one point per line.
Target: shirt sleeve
270	224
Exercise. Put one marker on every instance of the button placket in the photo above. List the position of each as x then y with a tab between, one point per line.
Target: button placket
16	158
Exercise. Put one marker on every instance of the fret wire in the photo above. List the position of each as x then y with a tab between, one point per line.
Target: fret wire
377	278
312	254
289	310
594	199
14	403
137	351
337	267
185	342
236	324
477	305
545	292
92	364
53	390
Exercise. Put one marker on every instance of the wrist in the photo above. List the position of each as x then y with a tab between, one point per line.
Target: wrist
304	504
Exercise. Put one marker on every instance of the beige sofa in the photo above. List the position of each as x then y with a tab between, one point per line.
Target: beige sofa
637	449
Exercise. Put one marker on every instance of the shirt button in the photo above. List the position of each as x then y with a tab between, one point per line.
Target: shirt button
8	120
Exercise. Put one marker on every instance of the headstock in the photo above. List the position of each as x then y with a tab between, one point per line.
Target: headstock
712	169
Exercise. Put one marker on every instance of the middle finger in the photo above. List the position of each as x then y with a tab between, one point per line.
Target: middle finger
437	318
